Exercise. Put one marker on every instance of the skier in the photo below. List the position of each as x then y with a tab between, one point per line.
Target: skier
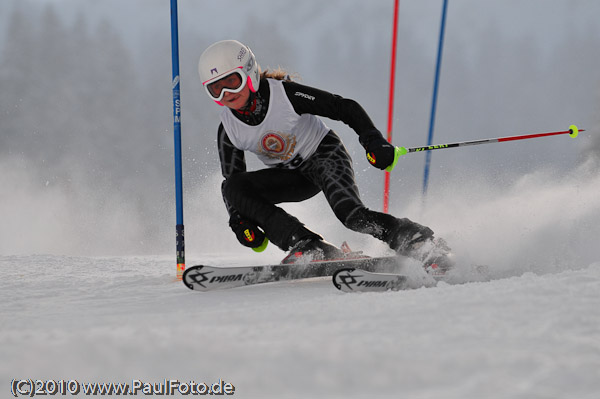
270	115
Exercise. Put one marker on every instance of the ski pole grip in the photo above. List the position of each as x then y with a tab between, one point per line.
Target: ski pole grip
263	246
398	152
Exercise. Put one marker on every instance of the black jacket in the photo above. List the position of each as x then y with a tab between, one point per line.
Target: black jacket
305	100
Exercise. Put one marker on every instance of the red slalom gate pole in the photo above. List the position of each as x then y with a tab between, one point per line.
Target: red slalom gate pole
386	185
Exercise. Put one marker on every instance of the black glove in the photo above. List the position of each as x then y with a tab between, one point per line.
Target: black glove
380	153
247	233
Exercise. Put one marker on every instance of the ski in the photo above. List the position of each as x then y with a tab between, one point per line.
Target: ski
209	278
358	280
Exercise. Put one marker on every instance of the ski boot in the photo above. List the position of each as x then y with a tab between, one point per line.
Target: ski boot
436	257
407	236
311	249
415	241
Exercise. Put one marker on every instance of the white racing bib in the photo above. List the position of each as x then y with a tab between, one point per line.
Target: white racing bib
283	137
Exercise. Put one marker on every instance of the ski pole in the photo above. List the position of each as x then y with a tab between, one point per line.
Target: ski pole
573	132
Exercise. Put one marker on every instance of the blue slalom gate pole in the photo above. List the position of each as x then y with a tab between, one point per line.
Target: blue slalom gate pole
179	238
434	100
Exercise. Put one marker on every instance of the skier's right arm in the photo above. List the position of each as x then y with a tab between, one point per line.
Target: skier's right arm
233	161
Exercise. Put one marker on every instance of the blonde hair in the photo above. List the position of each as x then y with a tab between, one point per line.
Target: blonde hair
278	73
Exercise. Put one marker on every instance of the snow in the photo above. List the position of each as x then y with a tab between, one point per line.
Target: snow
530	330
118	319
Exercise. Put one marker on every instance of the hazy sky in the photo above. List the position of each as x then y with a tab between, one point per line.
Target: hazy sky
509	67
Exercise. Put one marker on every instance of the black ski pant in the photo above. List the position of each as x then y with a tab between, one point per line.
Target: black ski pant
255	195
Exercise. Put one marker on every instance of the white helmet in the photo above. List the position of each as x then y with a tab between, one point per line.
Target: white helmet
225	58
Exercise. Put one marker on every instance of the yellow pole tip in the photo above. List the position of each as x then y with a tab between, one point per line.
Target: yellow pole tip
574	131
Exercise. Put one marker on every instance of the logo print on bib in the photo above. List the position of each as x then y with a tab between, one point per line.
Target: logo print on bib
277	145
273	143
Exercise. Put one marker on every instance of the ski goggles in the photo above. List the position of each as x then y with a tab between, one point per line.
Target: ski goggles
232	82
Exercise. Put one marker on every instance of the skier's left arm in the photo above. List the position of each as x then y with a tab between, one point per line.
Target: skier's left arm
309	100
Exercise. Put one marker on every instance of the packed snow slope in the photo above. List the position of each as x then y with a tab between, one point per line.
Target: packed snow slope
124	319
531	331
